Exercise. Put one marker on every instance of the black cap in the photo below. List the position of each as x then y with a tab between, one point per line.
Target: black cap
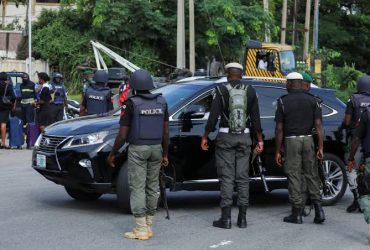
3	76
141	79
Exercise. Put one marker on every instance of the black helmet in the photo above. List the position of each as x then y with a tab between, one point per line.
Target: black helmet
141	80
100	76
57	75
363	84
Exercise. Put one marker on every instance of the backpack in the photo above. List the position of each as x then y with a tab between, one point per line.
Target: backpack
237	108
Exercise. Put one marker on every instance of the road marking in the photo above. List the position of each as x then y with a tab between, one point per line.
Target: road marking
222	243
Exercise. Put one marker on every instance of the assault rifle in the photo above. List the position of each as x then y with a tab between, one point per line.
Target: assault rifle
261	169
162	186
325	187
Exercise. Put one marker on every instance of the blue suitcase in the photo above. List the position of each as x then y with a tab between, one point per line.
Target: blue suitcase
16	137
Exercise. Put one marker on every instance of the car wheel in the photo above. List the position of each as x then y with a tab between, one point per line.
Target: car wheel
123	190
81	195
335	177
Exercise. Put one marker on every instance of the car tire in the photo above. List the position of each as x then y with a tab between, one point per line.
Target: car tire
80	195
335	175
123	189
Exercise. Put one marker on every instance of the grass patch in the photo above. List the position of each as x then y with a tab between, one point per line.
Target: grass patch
75	97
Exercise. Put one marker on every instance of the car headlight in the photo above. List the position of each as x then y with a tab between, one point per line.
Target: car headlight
87	139
37	143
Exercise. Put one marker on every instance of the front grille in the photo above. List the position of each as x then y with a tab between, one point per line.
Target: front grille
49	143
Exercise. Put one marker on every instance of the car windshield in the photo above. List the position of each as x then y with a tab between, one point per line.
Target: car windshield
174	93
287	61
177	93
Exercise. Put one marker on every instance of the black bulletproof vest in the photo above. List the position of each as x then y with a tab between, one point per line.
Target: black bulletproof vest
147	120
97	100
360	102
27	90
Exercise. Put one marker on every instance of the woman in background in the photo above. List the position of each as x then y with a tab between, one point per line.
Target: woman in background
7	104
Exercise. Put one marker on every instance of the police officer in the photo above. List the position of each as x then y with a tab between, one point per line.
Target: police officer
362	134
87	79
144	124
59	103
297	114
356	104
97	99
27	99
233	146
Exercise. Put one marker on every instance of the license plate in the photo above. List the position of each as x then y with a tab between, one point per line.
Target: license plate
41	161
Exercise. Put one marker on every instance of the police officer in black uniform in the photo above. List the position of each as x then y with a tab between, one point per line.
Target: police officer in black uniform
144	124
59	103
27	99
233	148
98	97
357	104
297	114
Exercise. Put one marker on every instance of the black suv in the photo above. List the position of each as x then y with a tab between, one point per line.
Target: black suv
73	153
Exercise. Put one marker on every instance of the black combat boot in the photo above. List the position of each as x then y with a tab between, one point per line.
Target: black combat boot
319	213
242	221
295	217
354	206
225	220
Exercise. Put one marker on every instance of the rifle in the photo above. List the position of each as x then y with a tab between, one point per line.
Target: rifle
325	187
162	185
261	169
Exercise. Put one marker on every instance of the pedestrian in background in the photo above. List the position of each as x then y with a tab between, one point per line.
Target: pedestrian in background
44	112
144	124
297	114
357	103
7	104
237	104
27	99
98	97
87	81
361	134
59	102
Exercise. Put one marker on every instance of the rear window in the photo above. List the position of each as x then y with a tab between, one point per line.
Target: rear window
267	97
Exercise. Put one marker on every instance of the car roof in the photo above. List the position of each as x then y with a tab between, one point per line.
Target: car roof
213	81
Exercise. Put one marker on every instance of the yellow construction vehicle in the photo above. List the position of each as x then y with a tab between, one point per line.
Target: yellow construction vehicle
268	60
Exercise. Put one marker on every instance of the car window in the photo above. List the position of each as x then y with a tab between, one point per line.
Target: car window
327	111
202	104
267	97
177	93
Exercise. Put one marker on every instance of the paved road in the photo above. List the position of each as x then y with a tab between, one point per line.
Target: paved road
37	214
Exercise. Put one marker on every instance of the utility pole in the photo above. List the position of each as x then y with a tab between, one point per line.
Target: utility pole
180	34
30	38
267	28
294	21
191	37
283	21
307	31
315	35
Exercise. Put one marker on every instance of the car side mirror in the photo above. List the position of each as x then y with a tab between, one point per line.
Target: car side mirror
194	112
